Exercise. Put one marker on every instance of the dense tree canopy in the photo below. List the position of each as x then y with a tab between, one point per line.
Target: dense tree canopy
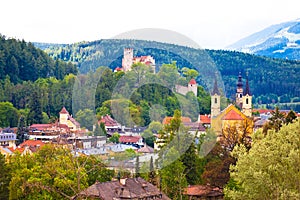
22	61
271	168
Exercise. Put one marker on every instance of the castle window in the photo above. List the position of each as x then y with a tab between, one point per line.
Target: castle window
240	95
216	100
247	101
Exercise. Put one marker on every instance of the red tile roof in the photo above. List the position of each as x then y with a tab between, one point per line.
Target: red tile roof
108	121
262	111
167	120
205	119
18	149
146	149
203	191
129	139
232	115
64	111
192	82
32	143
41	126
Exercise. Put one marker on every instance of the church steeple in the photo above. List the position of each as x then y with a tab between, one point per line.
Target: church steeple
239	91
215	100
215	90
247	100
247	89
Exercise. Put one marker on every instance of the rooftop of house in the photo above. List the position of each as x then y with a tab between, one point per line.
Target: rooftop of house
203	191
167	120
32	143
146	149
108	121
204	119
129	139
131	188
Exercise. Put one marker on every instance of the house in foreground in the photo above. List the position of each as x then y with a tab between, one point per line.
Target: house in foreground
130	188
201	192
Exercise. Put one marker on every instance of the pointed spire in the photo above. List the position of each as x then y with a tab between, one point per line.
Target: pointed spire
215	89
247	89
240	82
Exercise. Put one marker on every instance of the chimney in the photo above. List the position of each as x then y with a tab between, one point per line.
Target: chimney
123	181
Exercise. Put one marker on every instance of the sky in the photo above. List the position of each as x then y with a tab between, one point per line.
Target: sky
212	24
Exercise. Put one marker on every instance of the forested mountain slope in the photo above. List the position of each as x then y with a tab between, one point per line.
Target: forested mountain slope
269	78
22	61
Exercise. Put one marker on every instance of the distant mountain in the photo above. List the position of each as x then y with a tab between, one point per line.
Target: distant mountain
269	78
277	41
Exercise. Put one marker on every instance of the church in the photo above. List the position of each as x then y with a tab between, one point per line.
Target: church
238	116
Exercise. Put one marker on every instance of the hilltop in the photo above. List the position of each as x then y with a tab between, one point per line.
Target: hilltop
271	80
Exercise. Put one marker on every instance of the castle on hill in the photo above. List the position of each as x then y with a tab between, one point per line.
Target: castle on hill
128	60
191	87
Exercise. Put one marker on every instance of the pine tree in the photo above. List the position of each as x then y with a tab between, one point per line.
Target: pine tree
21	130
35	115
191	162
137	166
152	175
291	116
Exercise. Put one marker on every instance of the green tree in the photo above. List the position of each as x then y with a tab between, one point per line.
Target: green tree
35	115
86	118
290	117
114	138
100	130
137	166
4	178
275	121
22	131
54	173
9	115
152	177
192	164
271	168
172	175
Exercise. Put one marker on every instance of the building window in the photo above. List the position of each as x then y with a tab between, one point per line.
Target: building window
247	101
216	100
240	95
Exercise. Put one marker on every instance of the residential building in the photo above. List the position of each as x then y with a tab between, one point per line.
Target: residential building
203	192
130	188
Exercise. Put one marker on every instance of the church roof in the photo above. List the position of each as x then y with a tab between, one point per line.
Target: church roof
215	90
247	89
64	111
232	115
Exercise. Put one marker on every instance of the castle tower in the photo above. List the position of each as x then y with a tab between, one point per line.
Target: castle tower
239	92
63	116
127	59
192	86
215	100
247	100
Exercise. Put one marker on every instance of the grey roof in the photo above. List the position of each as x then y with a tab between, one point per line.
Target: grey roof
133	188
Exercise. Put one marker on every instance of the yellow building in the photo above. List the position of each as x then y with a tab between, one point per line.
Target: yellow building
233	123
66	119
